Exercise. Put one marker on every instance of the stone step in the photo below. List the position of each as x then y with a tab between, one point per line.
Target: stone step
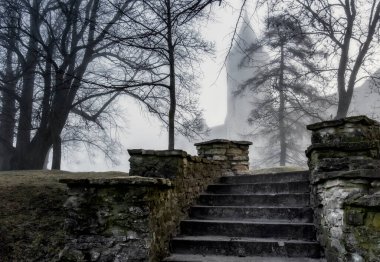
255	200
226	246
267	178
210	258
304	214
255	229
260	188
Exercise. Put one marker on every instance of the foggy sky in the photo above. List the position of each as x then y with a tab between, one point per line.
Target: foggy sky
144	131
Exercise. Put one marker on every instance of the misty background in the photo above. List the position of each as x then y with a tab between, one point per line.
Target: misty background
139	129
82	81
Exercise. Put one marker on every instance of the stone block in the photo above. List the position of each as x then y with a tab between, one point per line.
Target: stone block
215	151
355	257
376	221
354	217
240	158
234	151
239	163
239	168
219	158
376	183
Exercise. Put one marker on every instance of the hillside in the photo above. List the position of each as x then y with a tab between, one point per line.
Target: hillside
32	214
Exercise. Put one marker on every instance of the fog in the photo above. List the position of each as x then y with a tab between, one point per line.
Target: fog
141	130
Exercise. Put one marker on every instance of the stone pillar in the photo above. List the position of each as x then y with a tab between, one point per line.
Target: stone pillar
233	155
344	160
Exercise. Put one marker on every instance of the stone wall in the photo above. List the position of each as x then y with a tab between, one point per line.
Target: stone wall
344	160
189	175
133	219
108	219
362	223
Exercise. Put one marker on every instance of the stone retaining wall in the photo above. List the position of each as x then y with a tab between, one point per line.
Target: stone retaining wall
133	218
344	160
108	219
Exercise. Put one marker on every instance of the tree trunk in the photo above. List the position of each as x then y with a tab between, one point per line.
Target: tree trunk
281	116
36	153
173	104
343	106
8	114
281	112
26	103
57	154
47	88
172	88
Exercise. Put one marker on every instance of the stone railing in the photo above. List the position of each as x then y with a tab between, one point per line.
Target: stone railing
133	218
344	160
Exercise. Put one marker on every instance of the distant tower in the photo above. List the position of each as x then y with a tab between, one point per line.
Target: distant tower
239	107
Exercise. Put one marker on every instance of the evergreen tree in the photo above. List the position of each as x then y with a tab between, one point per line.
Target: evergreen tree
285	89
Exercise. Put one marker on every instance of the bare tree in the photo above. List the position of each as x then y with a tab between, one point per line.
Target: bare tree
58	45
8	81
173	44
69	60
348	29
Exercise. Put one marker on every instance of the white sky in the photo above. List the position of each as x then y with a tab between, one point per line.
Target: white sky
214	84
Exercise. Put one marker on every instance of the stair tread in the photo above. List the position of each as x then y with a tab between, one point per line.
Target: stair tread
267	199
291	176
253	194
241	239
274	174
209	258
259	183
252	207
253	222
279	173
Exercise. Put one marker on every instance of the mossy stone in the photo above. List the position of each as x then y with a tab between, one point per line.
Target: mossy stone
376	221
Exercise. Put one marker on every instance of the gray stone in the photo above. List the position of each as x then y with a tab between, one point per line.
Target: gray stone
133	218
344	160
219	158
355	258
232	154
355	217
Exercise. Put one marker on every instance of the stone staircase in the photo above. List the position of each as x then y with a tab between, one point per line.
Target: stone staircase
250	218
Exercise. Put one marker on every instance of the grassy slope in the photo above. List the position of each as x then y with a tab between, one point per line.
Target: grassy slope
31	213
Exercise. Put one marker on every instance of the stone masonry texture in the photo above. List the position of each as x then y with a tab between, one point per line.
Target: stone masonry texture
133	218
344	161
233	155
